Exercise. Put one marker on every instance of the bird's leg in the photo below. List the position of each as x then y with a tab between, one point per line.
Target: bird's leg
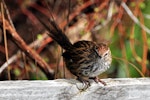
86	82
96	79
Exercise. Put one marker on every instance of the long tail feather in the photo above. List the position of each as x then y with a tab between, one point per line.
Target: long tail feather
57	34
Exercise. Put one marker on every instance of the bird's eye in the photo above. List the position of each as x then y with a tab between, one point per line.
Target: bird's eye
106	54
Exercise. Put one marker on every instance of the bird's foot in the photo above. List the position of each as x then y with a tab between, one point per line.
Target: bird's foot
97	80
86	83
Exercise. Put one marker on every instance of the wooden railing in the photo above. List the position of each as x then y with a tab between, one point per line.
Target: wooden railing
65	89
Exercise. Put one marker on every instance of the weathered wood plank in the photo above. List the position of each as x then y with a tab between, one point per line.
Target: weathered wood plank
62	89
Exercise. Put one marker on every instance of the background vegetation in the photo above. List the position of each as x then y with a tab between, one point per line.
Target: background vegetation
124	23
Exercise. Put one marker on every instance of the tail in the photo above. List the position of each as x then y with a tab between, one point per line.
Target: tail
57	34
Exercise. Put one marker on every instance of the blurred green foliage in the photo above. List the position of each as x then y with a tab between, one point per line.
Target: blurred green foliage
125	69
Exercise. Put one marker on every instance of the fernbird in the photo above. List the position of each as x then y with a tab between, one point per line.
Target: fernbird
84	59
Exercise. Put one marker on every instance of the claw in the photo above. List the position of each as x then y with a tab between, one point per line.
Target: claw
96	79
85	82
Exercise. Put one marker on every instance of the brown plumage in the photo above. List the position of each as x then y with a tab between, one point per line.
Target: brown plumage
84	59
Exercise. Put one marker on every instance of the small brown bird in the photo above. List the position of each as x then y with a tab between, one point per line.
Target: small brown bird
84	59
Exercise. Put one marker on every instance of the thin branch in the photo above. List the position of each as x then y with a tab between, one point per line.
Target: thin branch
145	46
28	51
129	12
8	15
17	55
6	64
5	38
109	17
117	19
